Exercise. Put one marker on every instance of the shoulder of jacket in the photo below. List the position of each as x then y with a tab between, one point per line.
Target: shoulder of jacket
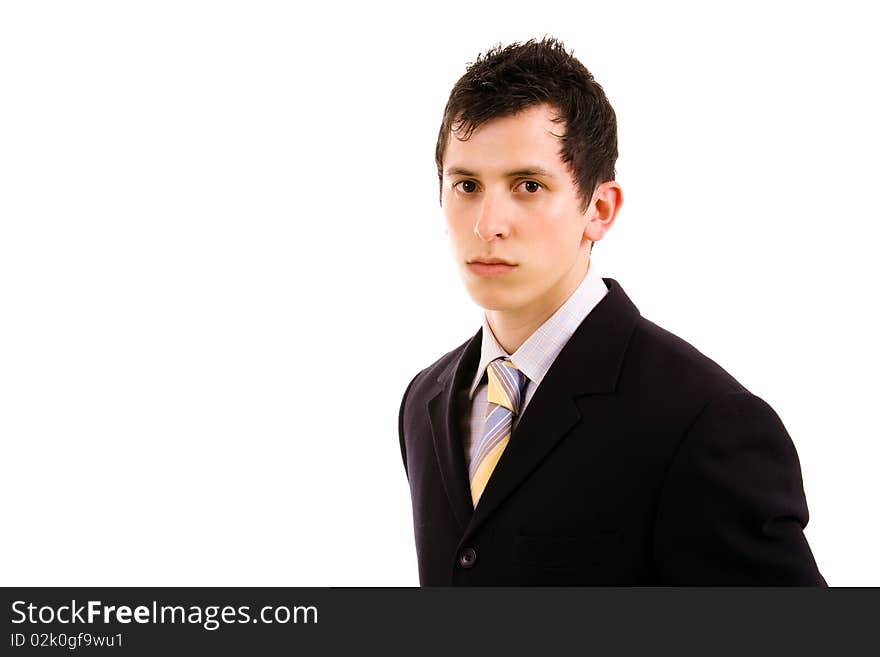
428	375
674	358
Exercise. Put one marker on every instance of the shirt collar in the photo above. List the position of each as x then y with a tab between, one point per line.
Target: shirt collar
535	356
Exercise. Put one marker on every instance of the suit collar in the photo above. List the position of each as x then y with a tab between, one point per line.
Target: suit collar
589	363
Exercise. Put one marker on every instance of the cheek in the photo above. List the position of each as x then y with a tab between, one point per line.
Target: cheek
553	240
459	221
459	230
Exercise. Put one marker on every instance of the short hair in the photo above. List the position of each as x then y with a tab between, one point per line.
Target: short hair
506	80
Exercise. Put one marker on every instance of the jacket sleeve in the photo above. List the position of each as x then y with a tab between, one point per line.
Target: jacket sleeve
732	508
400	424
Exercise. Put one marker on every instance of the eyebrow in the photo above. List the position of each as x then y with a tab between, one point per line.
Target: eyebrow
518	173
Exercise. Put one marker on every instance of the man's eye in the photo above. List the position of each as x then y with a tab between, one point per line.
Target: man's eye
467	186
530	186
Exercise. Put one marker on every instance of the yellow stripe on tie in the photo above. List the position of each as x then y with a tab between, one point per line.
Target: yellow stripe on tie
487	466
497	394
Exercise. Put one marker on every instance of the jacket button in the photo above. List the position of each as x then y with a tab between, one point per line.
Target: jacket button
467	558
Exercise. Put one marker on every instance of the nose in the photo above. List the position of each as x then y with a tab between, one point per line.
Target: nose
491	221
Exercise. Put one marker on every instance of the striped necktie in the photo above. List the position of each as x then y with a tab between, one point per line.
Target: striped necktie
506	386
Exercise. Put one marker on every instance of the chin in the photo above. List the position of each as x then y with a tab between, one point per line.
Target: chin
500	300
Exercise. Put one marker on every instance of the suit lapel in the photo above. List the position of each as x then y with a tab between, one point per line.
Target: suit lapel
445	416
589	363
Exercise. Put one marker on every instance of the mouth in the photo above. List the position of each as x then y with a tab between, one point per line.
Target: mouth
489	261
490	267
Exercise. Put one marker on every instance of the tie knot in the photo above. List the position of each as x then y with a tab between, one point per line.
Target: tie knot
506	384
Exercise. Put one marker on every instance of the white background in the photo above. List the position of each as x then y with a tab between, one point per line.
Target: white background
222	259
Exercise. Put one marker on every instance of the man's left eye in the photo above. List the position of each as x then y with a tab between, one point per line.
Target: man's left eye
530	186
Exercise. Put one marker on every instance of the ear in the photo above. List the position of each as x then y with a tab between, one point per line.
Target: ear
602	210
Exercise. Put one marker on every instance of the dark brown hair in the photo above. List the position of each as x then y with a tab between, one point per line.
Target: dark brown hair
506	80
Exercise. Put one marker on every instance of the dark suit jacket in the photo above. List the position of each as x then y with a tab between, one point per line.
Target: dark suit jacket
639	461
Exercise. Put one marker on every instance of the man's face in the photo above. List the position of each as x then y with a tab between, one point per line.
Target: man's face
508	196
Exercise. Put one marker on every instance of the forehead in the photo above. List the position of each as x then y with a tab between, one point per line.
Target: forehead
528	137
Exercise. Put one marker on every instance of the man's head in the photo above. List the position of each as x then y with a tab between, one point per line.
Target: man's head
526	156
507	80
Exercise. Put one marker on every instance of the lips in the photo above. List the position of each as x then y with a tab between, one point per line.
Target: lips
490	261
490	267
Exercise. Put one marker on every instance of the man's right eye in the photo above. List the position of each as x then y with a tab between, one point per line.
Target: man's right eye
466	186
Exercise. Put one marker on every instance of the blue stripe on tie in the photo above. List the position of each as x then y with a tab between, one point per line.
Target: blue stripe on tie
500	414
516	383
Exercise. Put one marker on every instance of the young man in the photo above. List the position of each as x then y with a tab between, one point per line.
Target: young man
571	441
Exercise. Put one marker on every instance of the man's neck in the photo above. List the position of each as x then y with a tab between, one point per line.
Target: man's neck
512	328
